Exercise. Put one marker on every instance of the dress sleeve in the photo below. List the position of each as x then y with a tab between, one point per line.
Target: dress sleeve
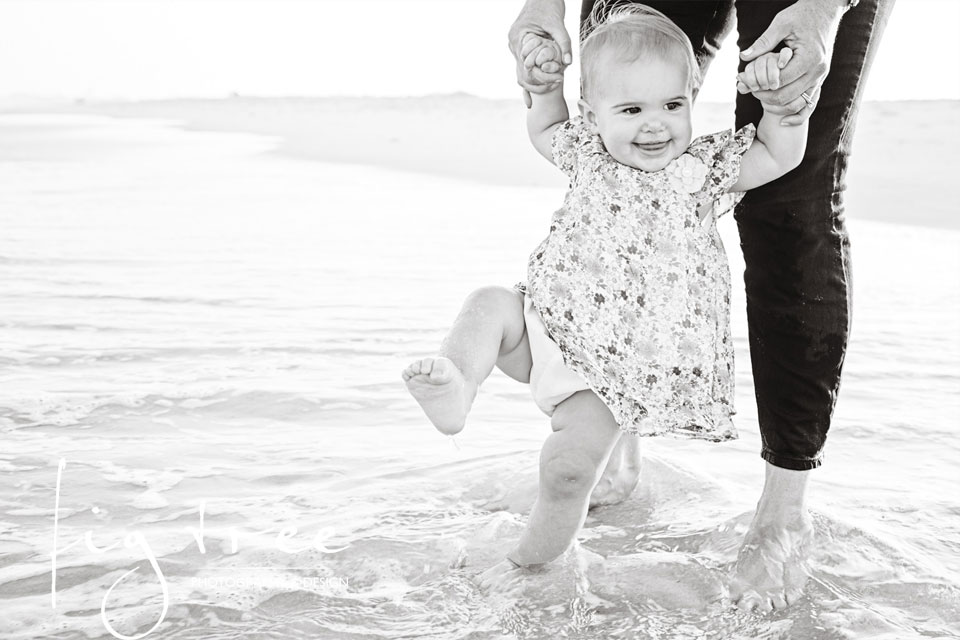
567	145
722	153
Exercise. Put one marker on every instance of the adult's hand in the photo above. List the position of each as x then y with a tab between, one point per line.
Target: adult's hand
809	28
542	18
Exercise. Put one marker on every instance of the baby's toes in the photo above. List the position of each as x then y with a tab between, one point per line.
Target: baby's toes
418	367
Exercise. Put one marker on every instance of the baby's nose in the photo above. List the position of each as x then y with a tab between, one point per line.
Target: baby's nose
652	124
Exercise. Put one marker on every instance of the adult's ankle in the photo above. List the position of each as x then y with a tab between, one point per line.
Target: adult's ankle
784	498
790	517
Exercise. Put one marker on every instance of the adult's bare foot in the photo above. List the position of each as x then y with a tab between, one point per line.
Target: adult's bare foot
771	567
621	475
442	392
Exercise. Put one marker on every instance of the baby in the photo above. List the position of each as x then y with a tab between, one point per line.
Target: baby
623	327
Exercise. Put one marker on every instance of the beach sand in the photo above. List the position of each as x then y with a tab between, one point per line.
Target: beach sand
901	171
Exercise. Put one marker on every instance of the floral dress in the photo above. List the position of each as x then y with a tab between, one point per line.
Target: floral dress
632	283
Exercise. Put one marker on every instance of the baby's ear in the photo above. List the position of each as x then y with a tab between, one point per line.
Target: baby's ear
589	115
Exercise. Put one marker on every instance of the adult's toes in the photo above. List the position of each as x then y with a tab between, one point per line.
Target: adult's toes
792	595
748	601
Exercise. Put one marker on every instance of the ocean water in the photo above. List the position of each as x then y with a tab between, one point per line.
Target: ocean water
203	432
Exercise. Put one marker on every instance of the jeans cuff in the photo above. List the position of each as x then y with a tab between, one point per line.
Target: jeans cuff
794	464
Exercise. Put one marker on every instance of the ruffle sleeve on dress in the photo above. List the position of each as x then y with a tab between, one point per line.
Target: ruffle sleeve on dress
568	145
722	152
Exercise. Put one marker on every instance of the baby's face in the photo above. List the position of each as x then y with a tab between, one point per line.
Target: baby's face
642	110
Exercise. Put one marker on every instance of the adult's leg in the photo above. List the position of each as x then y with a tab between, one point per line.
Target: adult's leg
797	255
488	331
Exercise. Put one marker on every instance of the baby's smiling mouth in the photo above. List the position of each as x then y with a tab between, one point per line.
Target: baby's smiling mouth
652	147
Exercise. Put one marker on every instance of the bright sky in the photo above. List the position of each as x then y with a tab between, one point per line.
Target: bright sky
211	48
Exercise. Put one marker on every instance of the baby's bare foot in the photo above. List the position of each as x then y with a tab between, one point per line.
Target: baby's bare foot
442	391
503	577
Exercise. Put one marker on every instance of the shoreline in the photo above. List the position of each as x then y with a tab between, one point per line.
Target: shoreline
898	169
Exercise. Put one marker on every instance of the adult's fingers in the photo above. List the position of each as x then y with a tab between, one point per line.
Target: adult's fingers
804	110
547	54
559	34
538	81
804	62
551	66
541	26
530	60
529	42
543	77
788	93
767	41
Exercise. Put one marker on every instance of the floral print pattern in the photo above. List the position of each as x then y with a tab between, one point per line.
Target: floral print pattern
635	289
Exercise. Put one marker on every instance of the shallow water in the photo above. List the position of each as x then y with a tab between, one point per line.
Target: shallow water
192	323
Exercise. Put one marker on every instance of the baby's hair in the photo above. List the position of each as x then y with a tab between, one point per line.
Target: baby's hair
633	30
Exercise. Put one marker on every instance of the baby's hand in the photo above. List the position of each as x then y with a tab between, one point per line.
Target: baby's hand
541	52
763	74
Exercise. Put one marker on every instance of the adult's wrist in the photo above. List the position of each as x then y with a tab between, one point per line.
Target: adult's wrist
543	89
561	4
835	7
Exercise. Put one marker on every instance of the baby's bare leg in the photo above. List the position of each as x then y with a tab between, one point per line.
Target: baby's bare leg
622	474
489	331
570	464
571	461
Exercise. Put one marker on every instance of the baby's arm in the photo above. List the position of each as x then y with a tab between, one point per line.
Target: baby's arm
548	110
777	149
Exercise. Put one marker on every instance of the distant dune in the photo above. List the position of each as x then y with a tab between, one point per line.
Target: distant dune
903	170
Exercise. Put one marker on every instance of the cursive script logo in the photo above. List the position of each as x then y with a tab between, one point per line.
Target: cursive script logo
136	540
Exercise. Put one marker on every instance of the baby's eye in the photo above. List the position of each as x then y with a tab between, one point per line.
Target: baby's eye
673	106
632	110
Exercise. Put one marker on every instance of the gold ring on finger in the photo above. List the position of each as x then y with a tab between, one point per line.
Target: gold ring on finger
808	99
